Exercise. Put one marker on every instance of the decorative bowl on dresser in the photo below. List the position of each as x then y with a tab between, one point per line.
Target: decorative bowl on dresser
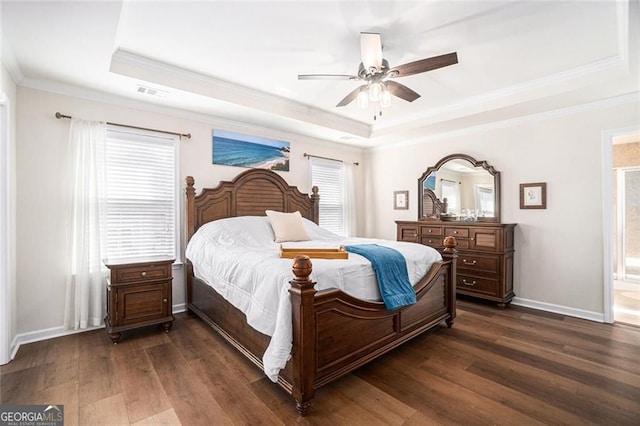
138	294
460	197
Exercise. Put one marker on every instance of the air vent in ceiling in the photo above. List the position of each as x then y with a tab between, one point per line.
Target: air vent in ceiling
152	91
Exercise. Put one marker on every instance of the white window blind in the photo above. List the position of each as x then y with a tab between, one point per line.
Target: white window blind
450	192
328	176
141	194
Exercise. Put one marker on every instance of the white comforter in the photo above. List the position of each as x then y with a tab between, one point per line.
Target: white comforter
240	260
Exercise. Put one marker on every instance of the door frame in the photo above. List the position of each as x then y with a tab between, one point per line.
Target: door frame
6	262
607	215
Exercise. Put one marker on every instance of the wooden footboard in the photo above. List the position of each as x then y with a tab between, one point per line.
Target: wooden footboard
333	333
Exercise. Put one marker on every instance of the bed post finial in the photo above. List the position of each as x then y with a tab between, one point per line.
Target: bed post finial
302	269
304	339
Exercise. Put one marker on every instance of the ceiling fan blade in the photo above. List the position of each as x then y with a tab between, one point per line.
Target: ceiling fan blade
401	91
371	50
428	64
326	77
350	97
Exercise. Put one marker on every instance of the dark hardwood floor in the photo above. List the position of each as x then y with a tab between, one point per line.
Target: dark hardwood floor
515	367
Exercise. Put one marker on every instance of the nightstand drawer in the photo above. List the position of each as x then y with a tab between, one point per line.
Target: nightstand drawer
148	272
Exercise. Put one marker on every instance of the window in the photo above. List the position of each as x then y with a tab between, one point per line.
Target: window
141	190
485	203
450	192
328	176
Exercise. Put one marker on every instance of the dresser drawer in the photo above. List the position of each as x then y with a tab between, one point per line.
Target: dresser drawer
429	231
470	263
150	272
473	284
435	242
457	232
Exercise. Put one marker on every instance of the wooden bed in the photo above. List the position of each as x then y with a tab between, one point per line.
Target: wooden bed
333	333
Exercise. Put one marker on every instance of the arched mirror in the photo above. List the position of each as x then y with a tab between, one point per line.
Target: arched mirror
459	188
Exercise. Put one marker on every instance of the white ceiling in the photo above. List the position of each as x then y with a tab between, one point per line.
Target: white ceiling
239	60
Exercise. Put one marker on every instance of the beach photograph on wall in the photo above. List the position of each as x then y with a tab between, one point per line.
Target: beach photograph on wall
235	149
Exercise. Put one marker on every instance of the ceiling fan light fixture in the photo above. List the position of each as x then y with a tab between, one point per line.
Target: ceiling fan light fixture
375	91
363	98
385	99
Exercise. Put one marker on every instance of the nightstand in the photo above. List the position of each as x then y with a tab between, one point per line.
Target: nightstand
138	294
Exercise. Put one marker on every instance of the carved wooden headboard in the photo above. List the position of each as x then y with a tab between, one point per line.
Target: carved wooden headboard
432	208
248	194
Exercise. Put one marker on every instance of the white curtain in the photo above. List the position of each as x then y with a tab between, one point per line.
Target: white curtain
85	281
350	203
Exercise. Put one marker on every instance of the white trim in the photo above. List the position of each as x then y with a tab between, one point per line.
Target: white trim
6	262
10	63
607	216
629	98
174	111
52	333
558	309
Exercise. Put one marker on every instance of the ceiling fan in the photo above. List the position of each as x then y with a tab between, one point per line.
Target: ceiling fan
376	74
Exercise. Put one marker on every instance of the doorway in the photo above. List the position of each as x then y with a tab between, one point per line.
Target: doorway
626	235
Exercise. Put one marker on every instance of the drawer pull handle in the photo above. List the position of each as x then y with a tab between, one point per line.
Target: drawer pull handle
430	230
164	300
455	232
430	241
468	263
144	274
472	239
471	284
415	234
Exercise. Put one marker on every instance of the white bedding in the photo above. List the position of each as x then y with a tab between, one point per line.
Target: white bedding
240	260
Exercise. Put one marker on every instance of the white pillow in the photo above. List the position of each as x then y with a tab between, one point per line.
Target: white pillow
287	226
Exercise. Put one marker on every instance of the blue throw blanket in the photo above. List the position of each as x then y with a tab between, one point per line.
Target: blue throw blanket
391	270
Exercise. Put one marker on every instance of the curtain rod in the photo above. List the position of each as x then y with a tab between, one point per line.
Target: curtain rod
185	135
327	158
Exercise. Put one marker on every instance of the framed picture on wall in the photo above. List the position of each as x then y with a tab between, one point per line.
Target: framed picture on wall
533	195
235	149
401	200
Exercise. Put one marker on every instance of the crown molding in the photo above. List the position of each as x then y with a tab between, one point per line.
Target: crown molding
213	120
9	61
136	66
628	98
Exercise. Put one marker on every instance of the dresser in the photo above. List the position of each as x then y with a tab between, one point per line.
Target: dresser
138	294
485	254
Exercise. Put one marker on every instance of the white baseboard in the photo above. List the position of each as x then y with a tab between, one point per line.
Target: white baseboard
52	333
559	309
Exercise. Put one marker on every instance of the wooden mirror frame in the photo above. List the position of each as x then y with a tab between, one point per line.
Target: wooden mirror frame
493	172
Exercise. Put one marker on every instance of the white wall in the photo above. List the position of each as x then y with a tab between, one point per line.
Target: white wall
42	172
559	251
8	217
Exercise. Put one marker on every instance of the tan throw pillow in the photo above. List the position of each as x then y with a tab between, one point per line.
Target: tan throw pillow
287	226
